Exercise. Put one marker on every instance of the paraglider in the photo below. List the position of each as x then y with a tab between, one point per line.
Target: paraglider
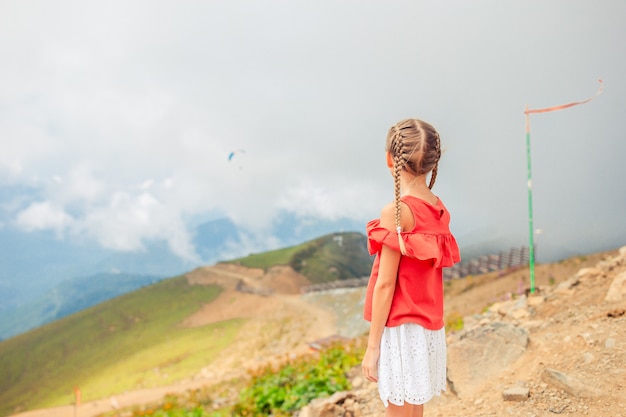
232	154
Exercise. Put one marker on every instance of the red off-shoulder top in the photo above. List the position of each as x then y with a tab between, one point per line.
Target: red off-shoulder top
430	246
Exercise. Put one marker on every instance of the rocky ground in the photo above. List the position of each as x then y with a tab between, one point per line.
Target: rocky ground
559	350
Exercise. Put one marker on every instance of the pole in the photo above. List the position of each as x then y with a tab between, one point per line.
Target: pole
529	184
531	233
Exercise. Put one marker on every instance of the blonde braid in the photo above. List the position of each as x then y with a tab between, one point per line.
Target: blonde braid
433	175
414	147
397	152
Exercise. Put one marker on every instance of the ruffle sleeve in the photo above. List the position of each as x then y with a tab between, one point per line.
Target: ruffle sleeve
441	248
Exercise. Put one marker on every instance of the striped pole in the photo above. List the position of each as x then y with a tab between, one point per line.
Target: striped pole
529	184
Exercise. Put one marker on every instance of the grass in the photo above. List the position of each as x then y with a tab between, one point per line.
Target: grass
268	259
126	343
328	258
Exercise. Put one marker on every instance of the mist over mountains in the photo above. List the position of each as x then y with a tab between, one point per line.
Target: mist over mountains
44	277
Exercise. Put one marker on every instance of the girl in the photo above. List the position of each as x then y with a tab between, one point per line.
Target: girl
406	350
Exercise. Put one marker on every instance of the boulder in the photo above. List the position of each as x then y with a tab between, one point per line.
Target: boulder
617	290
569	384
483	353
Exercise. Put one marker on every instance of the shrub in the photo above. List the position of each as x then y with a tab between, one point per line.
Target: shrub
281	391
454	322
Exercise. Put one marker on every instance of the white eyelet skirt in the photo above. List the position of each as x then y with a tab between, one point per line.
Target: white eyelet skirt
412	364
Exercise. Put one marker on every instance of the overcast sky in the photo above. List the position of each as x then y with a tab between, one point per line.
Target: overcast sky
117	117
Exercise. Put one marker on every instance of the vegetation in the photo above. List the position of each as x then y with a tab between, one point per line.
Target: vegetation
454	322
281	391
126	343
275	391
329	258
266	260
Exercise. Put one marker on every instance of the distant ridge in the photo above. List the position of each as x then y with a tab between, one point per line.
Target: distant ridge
70	297
335	256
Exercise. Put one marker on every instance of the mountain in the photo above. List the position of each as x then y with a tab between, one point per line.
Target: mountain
333	257
35	267
32	263
69	297
139	337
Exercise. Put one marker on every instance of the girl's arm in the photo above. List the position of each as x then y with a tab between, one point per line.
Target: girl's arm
381	298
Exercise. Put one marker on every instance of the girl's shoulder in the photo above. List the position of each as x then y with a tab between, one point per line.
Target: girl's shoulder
388	216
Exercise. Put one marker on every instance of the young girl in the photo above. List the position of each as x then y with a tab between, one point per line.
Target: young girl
406	350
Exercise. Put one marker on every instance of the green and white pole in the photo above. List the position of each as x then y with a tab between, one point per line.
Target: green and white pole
531	233
529	185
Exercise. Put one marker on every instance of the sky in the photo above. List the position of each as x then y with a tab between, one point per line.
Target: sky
117	118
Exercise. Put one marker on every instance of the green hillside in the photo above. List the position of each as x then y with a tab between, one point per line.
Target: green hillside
129	342
134	341
329	258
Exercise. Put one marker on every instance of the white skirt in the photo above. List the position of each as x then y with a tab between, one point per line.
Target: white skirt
412	364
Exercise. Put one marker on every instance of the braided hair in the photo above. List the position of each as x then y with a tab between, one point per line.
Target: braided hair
415	147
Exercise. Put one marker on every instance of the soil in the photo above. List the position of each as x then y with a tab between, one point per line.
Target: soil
574	331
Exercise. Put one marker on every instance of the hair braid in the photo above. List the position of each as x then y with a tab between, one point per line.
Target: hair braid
414	147
433	174
397	152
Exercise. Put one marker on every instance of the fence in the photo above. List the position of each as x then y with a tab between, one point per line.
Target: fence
515	257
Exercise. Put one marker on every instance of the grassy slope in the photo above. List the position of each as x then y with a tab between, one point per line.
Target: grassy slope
320	260
129	342
133	341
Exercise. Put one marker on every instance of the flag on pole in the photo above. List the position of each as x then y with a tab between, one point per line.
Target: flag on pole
528	112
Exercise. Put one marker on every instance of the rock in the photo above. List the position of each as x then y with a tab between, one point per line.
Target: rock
569	384
482	353
565	286
516	394
502	307
617	290
609	343
587	338
535	300
586	273
588	357
521	303
329	406
520	313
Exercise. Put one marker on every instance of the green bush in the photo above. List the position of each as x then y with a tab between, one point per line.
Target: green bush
280	391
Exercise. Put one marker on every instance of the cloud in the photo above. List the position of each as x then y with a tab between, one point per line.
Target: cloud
129	220
44	216
119	116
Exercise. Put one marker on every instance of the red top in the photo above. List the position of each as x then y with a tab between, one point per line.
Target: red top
418	297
